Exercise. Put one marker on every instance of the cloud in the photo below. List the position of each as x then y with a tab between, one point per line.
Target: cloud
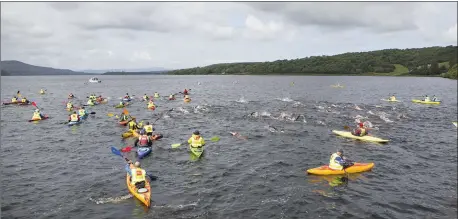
101	35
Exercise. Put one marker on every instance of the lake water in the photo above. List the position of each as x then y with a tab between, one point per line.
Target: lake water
51	170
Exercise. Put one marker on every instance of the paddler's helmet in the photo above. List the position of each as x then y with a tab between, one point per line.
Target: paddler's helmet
196	132
127	94
340	151
137	164
74	112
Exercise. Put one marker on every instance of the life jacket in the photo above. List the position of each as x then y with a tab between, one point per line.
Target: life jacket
14	100
151	105
138	175
24	100
427	99
140	125
36	115
145	97
74	118
42	91
148	128
132	125
333	164
362	131
82	112
156	95
392	98
196	141
69	105
90	102
143	140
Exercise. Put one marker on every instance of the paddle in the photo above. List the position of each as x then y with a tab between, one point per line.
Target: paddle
160	116
117	152
213	139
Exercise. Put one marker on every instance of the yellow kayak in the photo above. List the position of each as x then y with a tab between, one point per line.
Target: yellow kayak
129	134
426	102
356	168
187	100
196	151
363	138
143	197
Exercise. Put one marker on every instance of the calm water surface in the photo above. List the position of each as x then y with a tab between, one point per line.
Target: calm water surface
51	170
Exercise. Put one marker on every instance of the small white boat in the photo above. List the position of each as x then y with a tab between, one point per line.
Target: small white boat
94	80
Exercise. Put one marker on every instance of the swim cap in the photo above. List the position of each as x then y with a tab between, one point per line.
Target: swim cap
137	164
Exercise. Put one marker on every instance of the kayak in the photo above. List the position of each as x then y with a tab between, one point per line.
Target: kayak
196	151
102	102
17	103
187	100
44	117
426	102
84	117
127	99
363	138
143	151
127	134
356	168
121	106
74	123
388	100
143	197
124	123
337	86
171	98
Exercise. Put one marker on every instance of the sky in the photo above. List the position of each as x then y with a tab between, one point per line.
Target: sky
174	35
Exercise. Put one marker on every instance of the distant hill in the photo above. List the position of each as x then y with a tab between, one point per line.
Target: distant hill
431	61
136	73
17	68
101	71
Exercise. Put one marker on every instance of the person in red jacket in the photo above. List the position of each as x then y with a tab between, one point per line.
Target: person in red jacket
185	92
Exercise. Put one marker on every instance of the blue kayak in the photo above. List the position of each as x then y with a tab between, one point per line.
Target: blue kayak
127	100
143	151
74	123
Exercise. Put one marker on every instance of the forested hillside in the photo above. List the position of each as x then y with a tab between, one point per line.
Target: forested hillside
419	61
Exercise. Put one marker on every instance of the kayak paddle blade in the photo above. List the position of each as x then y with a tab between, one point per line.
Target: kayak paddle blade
116	151
215	138
176	145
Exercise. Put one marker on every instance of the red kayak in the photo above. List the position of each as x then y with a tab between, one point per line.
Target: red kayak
124	123
44	117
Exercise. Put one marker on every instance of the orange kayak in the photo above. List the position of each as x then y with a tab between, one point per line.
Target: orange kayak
356	168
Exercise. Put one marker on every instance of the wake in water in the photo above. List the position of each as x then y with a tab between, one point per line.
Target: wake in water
110	199
242	100
285	99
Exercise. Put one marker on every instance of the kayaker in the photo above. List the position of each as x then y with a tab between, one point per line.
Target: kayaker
140	125
70	96
196	140
133	124
124	117
74	117
99	98
42	91
186	97
37	115
151	105
69	105
82	112
93	97
156	95
338	161
148	129
426	98
143	140
185	92
435	99
121	103
393	98
90	102
127	96
360	131
137	174
14	99
172	97
145	97
24	100
237	135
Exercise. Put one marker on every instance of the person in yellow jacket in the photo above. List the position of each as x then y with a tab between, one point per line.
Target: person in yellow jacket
156	95
196	140
172	97
69	105
338	161
137	174
42	91
14	99
24	100
151	105
148	129
90	102
37	115
82	112
133	124
74	117
187	98
393	98
145	97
